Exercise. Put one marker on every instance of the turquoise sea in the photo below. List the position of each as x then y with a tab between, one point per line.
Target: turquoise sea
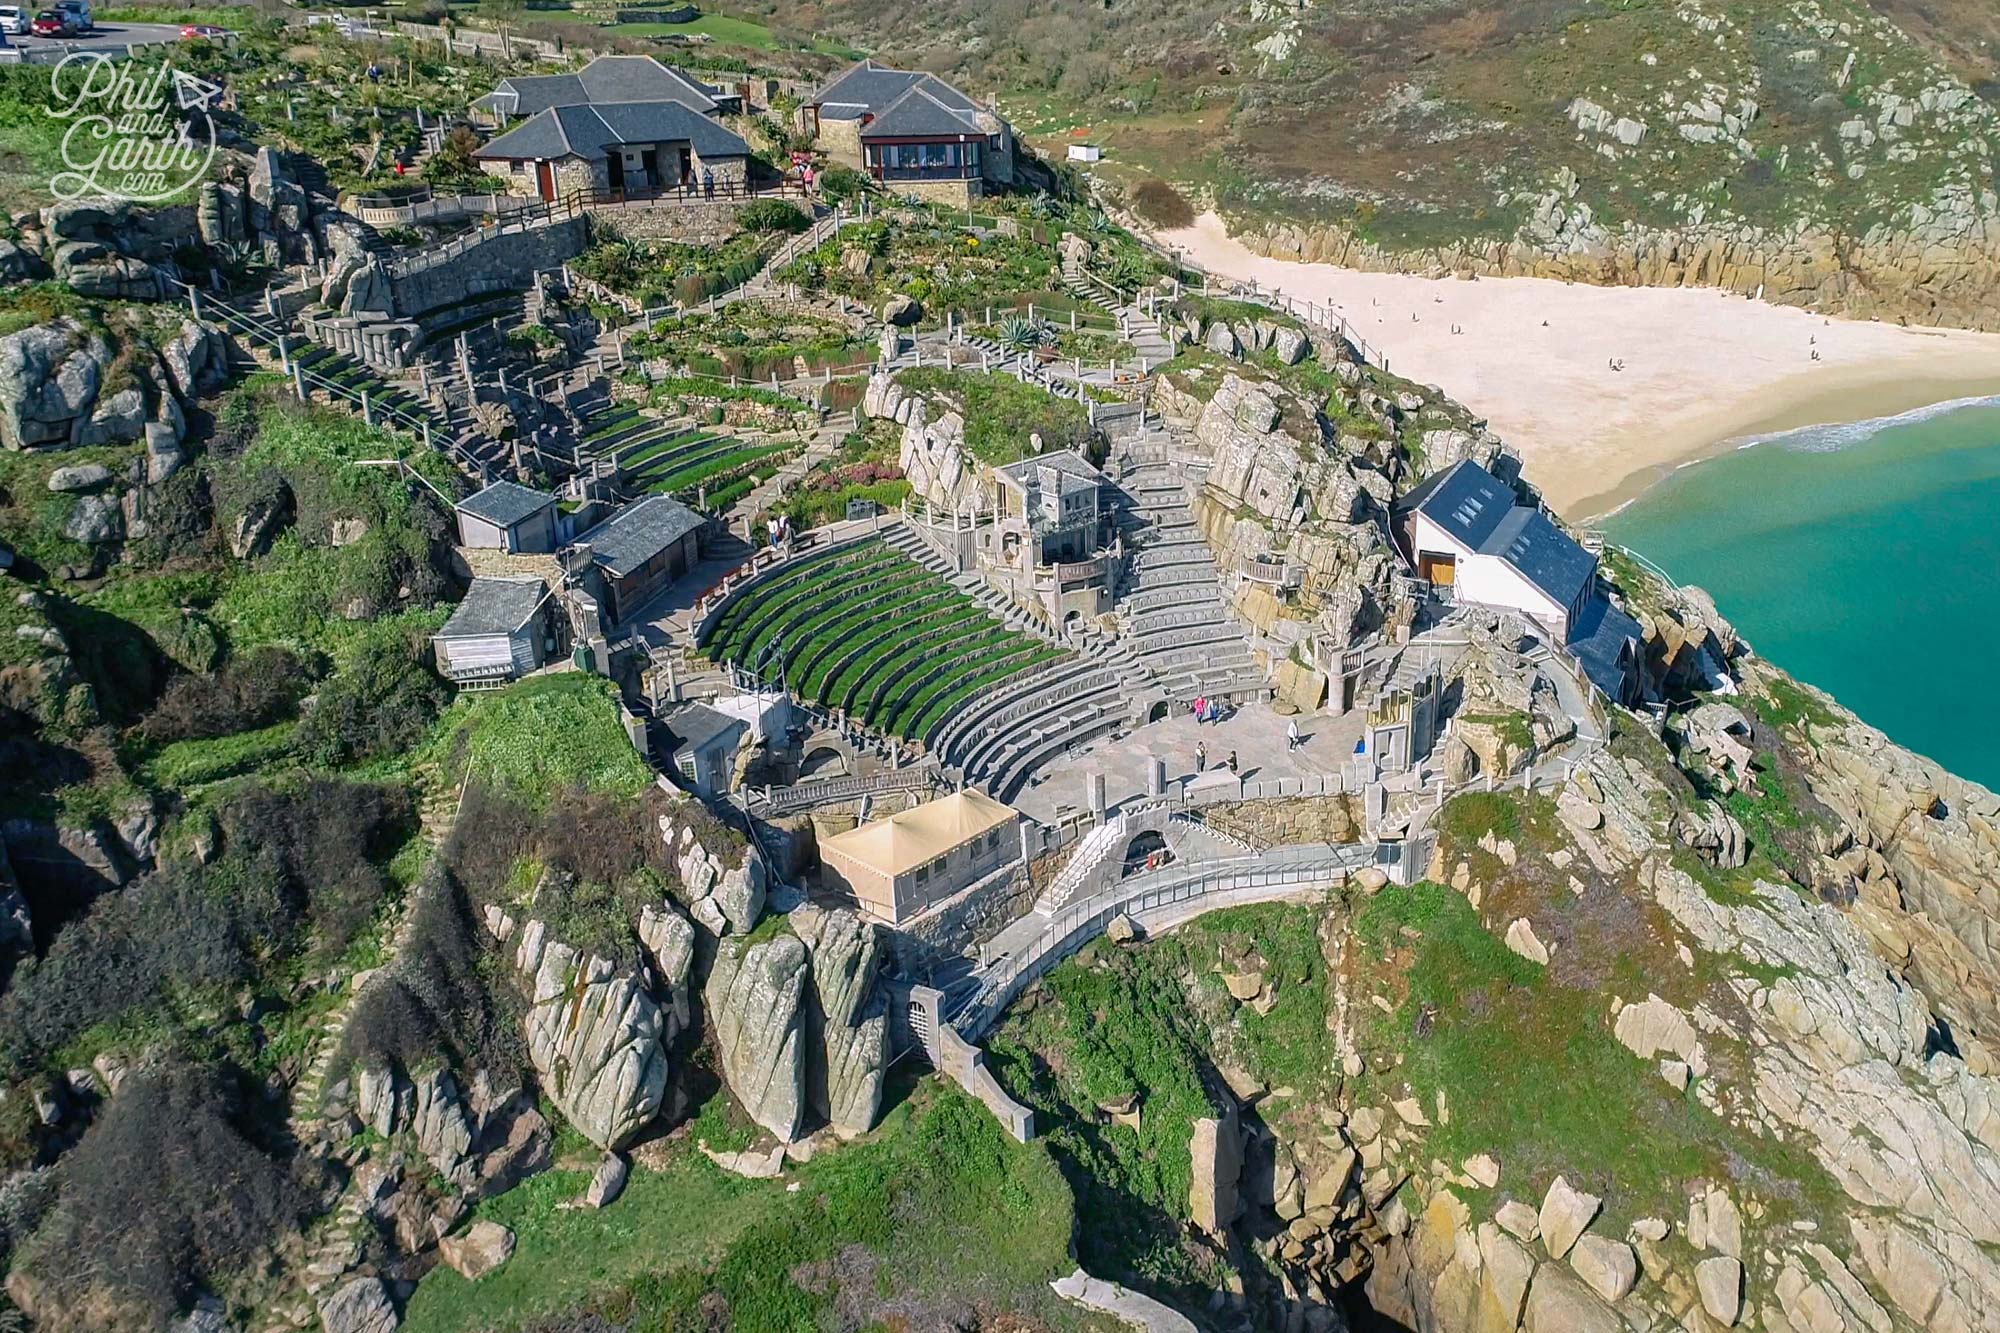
1864	558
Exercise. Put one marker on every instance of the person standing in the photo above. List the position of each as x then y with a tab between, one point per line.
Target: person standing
708	182
1292	738
1232	761
1200	757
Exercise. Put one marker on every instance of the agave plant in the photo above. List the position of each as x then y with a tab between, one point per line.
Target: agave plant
1018	333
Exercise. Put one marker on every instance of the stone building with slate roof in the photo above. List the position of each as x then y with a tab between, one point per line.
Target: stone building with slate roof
509	517
605	79
627	560
497	634
912	131
617	148
620	125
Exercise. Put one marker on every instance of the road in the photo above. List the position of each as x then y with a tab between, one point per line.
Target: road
109	37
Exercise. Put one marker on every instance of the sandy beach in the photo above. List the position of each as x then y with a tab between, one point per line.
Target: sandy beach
1698	369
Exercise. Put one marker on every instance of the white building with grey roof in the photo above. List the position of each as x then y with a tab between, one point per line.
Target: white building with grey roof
510	517
1469	537
499	633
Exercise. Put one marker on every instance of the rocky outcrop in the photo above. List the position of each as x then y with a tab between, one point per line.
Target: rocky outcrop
63	384
595	1034
483	1247
725	895
359	1305
801	1022
754	996
847	1021
116	250
1215	1152
1935	266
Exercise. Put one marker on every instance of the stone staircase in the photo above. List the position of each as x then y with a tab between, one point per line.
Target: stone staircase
1142	331
1170	600
1022	366
336	1244
1091	851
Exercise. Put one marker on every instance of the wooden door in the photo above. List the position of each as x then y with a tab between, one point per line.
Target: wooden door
545	179
1438	570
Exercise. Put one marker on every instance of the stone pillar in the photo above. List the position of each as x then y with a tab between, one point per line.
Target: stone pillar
1156	775
1029	840
1093	790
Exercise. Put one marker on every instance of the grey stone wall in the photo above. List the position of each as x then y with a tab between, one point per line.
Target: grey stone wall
502	263
689	222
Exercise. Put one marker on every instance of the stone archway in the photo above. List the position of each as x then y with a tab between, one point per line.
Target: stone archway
1158	712
1147	845
827	754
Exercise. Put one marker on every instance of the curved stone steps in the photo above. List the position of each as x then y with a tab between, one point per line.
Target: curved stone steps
1020	699
992	742
1014	771
806	620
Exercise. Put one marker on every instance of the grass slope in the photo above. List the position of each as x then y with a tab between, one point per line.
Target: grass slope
936	1209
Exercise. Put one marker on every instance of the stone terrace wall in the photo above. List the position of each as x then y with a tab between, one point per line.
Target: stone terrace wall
690	222
501	263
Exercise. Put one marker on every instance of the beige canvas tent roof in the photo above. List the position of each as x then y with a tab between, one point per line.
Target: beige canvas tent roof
901	843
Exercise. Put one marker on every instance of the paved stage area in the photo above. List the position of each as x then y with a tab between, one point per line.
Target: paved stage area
1256	732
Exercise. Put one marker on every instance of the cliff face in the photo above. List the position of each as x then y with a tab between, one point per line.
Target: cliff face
1945	271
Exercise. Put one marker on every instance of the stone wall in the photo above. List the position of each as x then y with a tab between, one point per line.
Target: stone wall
501	263
689	222
956	193
840	140
1303	820
507	179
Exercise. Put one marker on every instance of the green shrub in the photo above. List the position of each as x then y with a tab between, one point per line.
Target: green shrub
771	215
299	869
248	692
1162	205
382	698
165	1194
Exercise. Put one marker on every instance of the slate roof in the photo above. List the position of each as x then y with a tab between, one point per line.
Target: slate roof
1599	640
506	503
587	131
1066	461
494	606
919	114
868	89
638	532
1543	553
605	79
1480	511
1465	500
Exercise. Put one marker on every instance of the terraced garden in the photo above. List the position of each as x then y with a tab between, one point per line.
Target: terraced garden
827	613
669	457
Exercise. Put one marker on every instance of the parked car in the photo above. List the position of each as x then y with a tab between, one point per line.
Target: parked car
204	32
14	21
78	14
49	23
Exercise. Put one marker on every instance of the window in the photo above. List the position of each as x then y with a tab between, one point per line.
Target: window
923	875
993	840
518	167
